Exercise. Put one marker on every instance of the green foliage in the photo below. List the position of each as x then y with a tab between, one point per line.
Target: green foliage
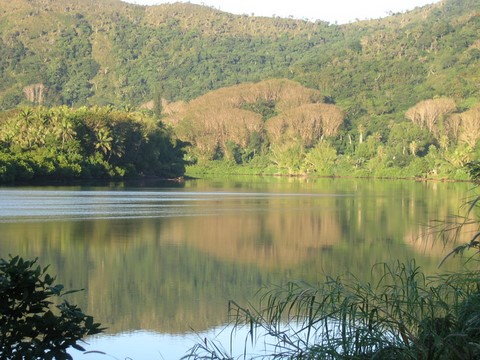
31	327
474	170
97	143
402	138
123	54
404	315
266	108
321	159
288	157
68	76
128	55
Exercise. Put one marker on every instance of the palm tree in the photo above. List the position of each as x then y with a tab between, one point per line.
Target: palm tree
64	130
25	122
444	142
104	140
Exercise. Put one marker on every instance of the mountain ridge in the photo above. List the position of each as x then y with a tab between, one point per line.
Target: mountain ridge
87	52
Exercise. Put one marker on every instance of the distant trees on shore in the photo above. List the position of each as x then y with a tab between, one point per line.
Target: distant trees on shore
278	126
275	126
62	143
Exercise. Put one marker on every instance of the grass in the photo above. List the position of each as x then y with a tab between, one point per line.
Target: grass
405	315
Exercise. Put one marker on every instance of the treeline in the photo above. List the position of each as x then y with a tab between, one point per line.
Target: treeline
270	127
281	127
86	143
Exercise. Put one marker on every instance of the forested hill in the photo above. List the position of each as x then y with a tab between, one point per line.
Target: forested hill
98	52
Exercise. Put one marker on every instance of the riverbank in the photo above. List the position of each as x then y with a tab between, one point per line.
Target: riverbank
220	169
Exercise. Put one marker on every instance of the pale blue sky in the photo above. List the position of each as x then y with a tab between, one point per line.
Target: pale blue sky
341	11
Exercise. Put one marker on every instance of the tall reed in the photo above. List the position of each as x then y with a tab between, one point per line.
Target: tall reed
404	315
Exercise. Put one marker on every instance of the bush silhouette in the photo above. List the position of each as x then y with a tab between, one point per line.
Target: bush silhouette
31	325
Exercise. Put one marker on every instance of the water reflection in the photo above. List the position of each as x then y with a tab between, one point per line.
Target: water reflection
131	345
167	260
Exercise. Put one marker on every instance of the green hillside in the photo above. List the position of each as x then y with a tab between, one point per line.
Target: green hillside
86	52
397	96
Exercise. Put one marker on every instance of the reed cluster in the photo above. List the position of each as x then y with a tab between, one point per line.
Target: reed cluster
403	315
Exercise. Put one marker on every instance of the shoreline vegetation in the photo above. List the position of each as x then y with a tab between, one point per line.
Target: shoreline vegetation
85	144
407	314
201	174
62	144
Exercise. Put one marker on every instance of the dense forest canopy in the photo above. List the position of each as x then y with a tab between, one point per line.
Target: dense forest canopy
61	143
388	97
108	52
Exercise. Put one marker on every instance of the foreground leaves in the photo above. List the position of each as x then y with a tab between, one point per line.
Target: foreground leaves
31	326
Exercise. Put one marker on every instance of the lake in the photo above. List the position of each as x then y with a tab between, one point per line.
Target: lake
159	262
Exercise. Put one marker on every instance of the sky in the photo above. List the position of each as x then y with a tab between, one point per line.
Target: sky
333	11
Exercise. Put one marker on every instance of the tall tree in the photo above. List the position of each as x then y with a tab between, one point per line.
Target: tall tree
428	114
470	126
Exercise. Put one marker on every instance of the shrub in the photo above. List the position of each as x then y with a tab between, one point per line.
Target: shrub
31	327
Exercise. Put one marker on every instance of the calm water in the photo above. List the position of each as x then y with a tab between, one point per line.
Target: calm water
159	263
